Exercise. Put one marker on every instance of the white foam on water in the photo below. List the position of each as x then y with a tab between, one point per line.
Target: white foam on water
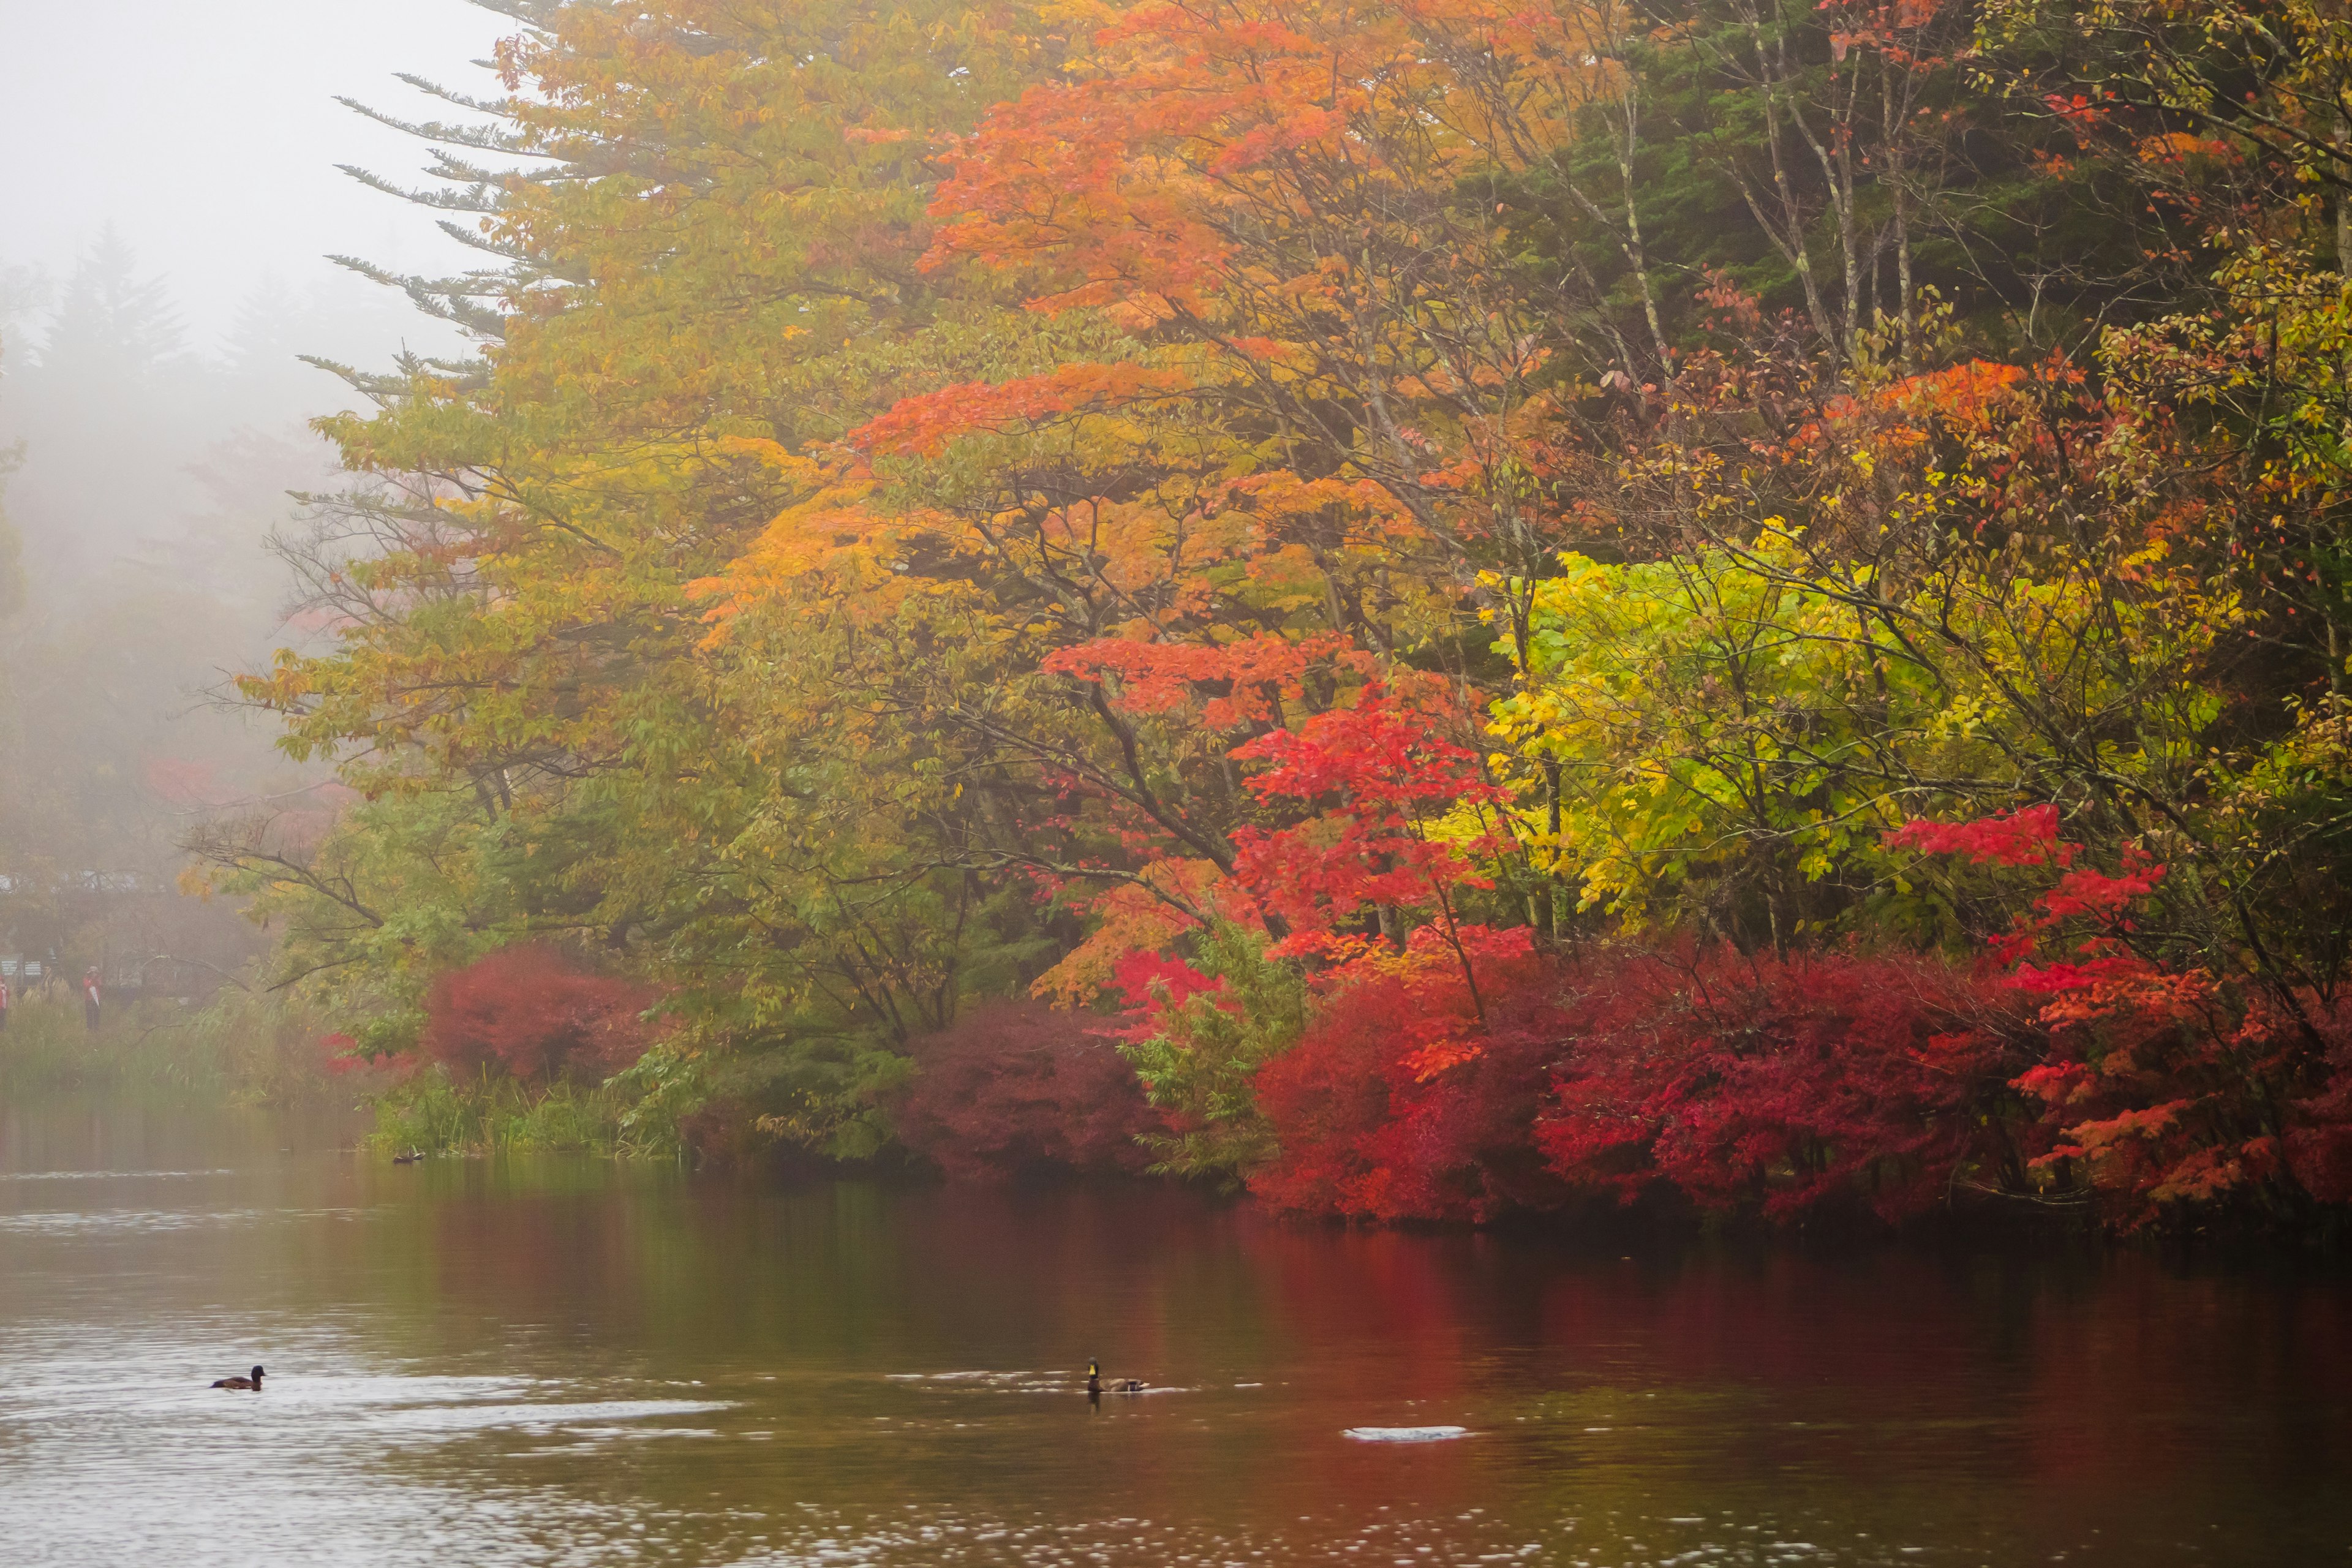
81	1222
1405	1434
451	1418
109	1175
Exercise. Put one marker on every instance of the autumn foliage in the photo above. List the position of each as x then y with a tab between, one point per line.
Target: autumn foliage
2160	1084
1430	609
1785	1088
1398	1104
527	1012
1019	1089
1733	1084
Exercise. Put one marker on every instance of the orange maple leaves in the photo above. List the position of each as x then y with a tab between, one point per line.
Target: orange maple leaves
921	426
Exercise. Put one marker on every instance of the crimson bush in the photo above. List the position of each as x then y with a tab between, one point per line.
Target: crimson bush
535	1016
1398	1104
1019	1089
1784	1085
1747	1083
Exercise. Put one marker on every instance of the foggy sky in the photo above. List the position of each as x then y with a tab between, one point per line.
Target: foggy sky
143	473
208	132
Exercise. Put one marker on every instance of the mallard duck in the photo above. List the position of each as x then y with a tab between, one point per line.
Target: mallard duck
408	1159
253	1382
1094	1384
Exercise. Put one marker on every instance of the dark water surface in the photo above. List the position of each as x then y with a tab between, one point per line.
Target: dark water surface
566	1362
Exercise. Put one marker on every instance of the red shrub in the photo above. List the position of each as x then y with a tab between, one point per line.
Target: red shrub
534	1015
1018	1088
1398	1104
1784	1084
1742	1082
2319	1140
2165	1087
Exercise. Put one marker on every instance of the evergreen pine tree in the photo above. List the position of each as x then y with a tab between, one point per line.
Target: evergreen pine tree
110	325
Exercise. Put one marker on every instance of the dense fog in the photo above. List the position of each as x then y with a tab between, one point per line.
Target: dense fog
164	272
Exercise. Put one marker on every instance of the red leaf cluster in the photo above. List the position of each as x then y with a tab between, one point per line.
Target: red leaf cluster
1397	1104
2026	837
1746	1084
1257	674
1390	785
1018	1088
1785	1084
528	1012
2318	1146
2161	1088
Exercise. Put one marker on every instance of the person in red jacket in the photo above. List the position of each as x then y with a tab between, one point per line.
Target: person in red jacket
89	997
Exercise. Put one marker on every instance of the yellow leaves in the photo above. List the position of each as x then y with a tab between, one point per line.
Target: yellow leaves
1286	579
1078	18
833	546
772	455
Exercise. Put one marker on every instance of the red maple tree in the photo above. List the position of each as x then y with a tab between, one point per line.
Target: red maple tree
529	1012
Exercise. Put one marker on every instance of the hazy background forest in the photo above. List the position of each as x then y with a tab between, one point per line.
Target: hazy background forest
154	407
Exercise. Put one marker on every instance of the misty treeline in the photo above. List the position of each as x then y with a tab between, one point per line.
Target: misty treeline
1735	606
142	473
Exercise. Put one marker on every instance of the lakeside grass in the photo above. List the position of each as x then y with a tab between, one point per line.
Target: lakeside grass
432	1115
237	1049
248	1050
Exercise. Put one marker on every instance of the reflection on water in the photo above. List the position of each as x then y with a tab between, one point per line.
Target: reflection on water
566	1362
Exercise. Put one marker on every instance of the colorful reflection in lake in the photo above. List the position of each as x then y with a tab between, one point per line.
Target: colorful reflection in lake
548	1362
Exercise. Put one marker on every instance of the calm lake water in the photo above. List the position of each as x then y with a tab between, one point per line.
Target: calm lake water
562	1362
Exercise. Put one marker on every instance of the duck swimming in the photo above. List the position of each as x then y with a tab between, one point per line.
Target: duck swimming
1094	1384
253	1382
